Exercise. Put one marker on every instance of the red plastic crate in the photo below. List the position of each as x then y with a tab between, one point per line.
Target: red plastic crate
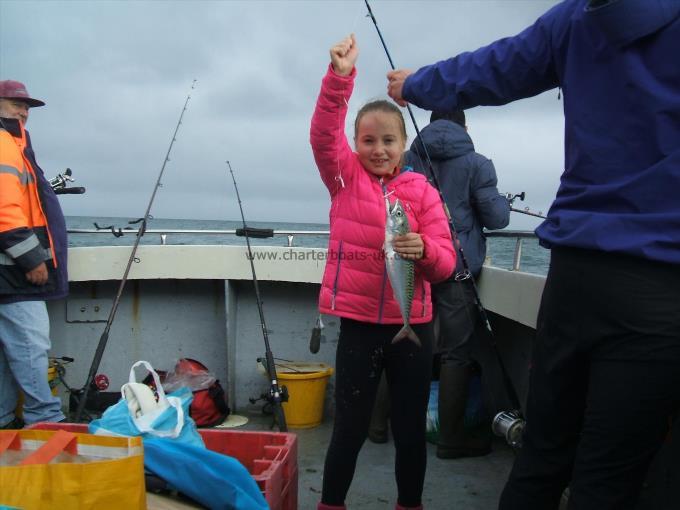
270	457
290	493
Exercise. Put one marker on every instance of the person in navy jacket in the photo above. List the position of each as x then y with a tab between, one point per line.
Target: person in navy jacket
605	374
33	259
469	186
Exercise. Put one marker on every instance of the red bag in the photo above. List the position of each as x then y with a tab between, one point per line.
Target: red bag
209	407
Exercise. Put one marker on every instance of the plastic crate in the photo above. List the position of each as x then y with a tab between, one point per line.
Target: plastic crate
270	457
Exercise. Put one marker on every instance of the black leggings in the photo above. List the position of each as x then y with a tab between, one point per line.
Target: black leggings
364	349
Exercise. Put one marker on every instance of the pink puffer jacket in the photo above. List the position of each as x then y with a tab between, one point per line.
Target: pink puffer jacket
355	283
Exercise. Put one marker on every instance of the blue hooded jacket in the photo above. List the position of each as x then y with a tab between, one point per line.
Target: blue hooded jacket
468	182
617	64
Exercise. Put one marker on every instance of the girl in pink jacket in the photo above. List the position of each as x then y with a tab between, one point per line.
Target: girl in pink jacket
355	285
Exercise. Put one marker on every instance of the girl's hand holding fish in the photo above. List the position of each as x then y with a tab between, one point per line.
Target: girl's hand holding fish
409	246
344	55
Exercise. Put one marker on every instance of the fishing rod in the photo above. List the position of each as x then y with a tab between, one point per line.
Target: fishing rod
277	394
90	382
466	273
511	200
528	212
59	183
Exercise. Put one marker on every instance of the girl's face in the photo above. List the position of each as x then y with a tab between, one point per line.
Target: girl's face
379	142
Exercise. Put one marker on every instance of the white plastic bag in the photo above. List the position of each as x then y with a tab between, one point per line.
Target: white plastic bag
184	373
167	418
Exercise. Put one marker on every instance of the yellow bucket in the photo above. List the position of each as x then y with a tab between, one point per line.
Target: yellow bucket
51	378
306	384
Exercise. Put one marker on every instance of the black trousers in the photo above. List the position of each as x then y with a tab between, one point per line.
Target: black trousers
364	350
457	316
605	378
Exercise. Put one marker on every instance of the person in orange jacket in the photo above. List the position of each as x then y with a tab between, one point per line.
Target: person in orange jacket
33	250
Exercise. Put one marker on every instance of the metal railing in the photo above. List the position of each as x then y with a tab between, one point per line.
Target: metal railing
163	233
519	235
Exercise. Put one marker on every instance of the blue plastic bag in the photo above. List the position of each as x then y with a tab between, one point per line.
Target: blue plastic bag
432	416
474	409
171	420
215	480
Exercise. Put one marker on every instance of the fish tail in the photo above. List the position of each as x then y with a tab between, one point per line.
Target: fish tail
407	332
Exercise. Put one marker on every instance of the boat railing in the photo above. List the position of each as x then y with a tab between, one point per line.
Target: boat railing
519	235
163	233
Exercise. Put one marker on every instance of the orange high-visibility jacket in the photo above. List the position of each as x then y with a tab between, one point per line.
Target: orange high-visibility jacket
25	236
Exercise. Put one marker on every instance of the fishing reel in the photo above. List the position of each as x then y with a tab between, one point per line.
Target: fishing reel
511	198
510	426
59	184
271	400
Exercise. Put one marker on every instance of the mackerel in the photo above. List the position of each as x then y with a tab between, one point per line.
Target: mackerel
400	271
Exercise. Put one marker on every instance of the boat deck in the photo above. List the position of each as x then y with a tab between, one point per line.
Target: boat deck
470	484
198	301
473	484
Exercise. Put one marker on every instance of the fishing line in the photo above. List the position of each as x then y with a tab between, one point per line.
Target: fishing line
466	274
90	383
357	17
277	395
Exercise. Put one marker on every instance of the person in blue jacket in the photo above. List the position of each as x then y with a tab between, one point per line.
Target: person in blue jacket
605	374
469	185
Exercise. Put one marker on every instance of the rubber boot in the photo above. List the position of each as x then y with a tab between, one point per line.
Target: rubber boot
377	430
321	506
454	440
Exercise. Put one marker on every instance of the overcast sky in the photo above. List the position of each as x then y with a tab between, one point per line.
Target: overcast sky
115	75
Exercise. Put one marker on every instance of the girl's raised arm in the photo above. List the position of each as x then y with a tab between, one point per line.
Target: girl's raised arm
332	152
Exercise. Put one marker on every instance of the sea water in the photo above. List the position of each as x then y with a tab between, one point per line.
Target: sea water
500	250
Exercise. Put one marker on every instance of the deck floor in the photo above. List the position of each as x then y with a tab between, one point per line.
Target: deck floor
473	484
470	484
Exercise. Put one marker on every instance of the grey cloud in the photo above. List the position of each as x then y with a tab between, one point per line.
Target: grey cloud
115	75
